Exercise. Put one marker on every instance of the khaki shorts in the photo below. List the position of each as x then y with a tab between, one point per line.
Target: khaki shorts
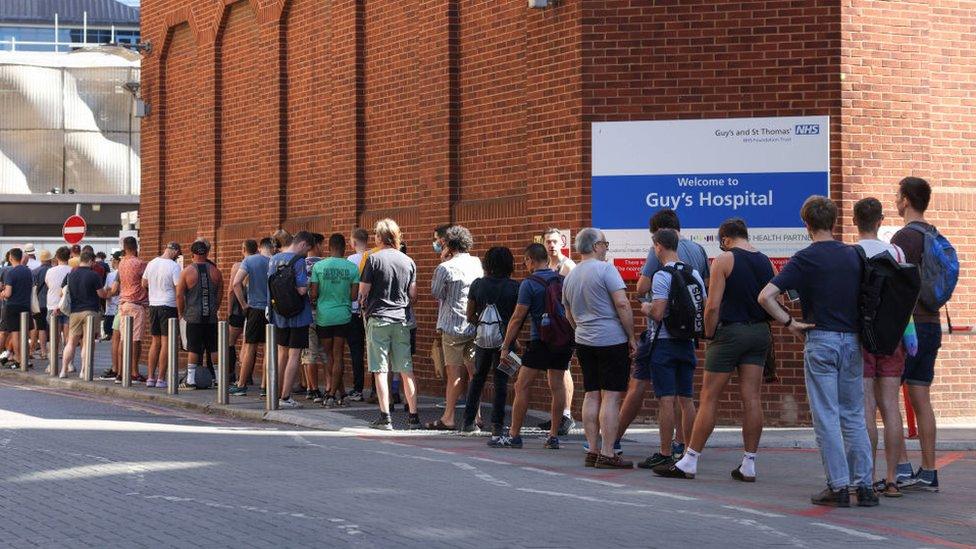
458	350
313	354
138	314
76	322
388	346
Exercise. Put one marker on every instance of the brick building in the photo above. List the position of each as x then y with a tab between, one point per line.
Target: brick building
329	114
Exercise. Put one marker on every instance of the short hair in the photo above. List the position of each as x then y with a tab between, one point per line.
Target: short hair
250	246
917	191
267	243
87	256
537	253
337	242
665	219
76	249
303	236
130	244
63	253
319	238
586	238
388	232
459	239
16	254
499	262
819	213
666	238
734	227
360	234
283	238
868	212
88	248
200	247
551	230
101	255
441	230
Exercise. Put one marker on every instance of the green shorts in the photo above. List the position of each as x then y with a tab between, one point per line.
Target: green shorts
388	346
737	344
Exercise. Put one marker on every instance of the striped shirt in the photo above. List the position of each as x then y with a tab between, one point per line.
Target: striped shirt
452	280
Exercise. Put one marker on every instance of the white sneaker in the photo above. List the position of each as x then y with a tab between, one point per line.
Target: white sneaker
288	403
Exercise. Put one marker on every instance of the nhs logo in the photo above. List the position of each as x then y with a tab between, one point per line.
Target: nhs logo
807	129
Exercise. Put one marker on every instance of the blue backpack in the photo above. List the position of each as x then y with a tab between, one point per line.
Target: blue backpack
939	268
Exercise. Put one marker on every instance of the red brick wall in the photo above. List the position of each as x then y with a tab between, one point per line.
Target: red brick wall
308	113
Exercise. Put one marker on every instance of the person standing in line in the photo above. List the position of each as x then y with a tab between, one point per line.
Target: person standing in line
199	292
553	241
111	322
314	357
357	329
596	304
827	275
291	332
85	287
387	287
54	280
40	317
739	332
450	285
254	299
161	276
16	293
235	316
334	282
133	300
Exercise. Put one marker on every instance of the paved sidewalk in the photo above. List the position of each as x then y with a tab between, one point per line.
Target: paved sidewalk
954	436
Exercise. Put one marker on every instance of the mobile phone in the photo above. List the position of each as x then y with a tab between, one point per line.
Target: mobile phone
792	295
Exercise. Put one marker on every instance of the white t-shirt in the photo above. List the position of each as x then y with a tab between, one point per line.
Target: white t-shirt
564	266
163	276
661	288
874	247
112	305
54	278
356	259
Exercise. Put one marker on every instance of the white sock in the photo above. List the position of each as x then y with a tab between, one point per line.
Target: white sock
567	413
191	374
748	467
688	462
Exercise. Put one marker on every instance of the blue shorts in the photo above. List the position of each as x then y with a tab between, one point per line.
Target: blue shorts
671	368
920	369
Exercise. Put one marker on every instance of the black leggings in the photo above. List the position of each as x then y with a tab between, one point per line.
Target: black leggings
486	360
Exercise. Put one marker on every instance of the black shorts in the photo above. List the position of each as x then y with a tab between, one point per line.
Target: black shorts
158	316
604	368
293	338
236	321
201	338
538	357
40	320
254	326
10	318
329	332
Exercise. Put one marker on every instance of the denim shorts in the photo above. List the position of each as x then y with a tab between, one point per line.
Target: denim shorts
670	368
920	369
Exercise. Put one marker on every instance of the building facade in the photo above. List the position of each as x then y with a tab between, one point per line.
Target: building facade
328	115
63	25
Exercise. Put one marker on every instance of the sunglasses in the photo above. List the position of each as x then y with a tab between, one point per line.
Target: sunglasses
604	242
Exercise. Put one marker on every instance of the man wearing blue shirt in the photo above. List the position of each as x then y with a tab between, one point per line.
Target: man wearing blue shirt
292	332
251	288
827	275
15	295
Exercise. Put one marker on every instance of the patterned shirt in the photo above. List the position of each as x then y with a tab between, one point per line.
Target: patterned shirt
450	285
131	270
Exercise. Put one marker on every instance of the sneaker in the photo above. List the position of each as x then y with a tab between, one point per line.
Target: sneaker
925	481
566	424
343	402
310	394
591	458
318	397
503	441
237	391
904	474
832	498
617	449
118	381
671	471
150	382
545	425
263	393
288	403
866	497
355	396
413	423
551	443
184	386
161	384
615	462
515	442
107	374
655	460
138	378
470	430
329	401
382	423
677	449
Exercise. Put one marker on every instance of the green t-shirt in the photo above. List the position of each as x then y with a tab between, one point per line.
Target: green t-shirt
334	275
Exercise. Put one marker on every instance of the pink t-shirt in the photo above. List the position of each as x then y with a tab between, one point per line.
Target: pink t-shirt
131	270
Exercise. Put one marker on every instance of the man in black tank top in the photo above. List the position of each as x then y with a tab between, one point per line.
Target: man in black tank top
198	297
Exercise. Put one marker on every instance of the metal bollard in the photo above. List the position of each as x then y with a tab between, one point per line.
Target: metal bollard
172	357
223	362
54	335
25	325
270	367
126	366
88	350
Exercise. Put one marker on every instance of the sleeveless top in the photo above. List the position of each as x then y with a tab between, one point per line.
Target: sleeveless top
201	302
750	274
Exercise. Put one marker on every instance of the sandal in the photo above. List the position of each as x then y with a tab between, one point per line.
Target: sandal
891	491
438	426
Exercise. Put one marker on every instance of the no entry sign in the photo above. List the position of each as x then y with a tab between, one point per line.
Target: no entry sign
74	229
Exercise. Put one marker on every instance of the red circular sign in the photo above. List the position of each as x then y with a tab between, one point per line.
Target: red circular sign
74	229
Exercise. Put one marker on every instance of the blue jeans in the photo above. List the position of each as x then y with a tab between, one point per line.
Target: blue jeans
833	369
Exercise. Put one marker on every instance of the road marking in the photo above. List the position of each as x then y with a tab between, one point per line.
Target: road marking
583	498
438	451
850	532
601	482
109	469
543	471
661	494
753	511
489	460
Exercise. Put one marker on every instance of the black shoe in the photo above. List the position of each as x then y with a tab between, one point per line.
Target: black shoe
413	423
310	394
833	498
655	460
318	397
263	393
546	425
470	430
867	497
108	374
671	470
565	425
382	423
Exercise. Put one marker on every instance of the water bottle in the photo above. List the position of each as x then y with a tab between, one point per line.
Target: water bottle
545	319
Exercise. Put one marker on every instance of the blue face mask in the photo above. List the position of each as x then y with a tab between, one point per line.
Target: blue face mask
437	247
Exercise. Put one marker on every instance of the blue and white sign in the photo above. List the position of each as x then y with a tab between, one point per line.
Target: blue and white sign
759	169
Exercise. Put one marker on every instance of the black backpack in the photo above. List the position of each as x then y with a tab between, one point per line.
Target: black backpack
283	290
686	304
889	291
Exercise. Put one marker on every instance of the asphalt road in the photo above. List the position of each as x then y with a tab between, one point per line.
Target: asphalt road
78	471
